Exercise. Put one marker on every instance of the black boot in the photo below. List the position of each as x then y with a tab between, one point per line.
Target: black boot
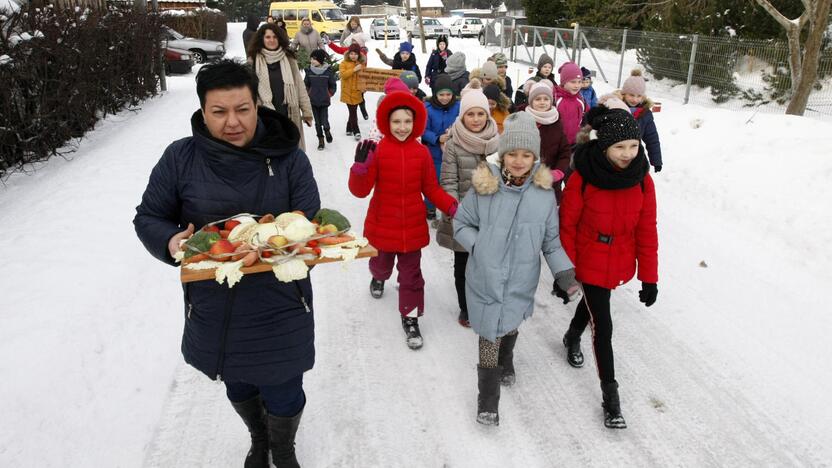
488	400
411	330
506	359
376	288
572	341
612	406
282	432
320	143
328	135
254	416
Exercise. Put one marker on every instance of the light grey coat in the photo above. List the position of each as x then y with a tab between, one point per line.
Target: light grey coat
458	167
505	229
310	41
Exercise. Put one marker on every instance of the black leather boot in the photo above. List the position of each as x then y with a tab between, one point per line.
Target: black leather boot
488	400
506	359
612	406
254	416
282	433
572	341
328	135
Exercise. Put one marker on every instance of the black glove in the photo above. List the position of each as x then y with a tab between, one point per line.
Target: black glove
557	291
363	149
657	168
648	293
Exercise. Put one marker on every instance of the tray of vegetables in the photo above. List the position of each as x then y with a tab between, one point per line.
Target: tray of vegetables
286	245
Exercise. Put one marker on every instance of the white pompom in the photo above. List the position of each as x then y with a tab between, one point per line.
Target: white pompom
593	135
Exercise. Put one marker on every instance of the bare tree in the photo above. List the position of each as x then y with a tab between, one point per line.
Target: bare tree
803	61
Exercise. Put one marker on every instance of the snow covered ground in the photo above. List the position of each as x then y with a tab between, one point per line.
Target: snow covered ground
729	368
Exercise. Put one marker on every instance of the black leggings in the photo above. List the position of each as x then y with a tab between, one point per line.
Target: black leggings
460	261
595	309
352	121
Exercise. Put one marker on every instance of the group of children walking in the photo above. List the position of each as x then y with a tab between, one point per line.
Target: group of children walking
556	171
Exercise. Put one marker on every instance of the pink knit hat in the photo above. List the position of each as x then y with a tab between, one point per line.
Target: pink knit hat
394	84
569	71
634	84
472	96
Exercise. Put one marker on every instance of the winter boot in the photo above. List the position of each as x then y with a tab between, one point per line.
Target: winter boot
363	107
572	341
612	406
254	416
463	319
320	143
328	135
357	136
411	329
488	400
506	359
376	288
282	432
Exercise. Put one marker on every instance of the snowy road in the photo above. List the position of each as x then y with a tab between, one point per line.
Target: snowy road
727	369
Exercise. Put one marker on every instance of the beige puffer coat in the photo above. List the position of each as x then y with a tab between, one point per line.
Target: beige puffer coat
458	167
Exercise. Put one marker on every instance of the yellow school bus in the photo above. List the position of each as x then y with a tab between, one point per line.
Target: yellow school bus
326	17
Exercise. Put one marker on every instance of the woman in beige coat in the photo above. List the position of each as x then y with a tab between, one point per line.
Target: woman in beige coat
280	85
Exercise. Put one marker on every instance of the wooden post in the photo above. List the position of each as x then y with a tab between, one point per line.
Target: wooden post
421	25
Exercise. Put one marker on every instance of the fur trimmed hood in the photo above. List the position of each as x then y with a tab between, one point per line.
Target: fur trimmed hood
477	73
486	182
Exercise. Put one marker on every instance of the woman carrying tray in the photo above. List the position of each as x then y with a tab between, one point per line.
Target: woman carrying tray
257	337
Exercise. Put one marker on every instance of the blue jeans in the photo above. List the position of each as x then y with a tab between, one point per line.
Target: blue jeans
284	400
438	167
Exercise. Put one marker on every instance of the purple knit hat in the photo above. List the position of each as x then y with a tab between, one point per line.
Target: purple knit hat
569	71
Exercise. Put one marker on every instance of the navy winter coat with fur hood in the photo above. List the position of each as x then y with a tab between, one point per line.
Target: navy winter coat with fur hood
259	331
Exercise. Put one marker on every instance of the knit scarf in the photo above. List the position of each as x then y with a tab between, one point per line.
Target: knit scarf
544	118
290	92
593	165
514	181
485	142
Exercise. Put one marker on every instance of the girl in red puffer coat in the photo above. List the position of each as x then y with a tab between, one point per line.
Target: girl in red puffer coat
608	229
399	170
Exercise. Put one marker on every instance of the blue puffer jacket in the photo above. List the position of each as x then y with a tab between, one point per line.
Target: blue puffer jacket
439	120
590	98
259	331
649	134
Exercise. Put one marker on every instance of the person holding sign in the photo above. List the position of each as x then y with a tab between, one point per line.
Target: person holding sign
351	94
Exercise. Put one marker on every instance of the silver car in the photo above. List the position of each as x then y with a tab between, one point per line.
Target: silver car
377	29
203	49
433	28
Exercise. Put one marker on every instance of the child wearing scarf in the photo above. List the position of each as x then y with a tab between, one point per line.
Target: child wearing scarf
472	137
442	108
554	148
608	228
506	221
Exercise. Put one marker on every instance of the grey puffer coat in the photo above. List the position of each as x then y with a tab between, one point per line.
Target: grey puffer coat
505	229
458	166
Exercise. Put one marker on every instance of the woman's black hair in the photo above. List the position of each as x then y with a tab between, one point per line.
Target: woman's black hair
255	45
224	74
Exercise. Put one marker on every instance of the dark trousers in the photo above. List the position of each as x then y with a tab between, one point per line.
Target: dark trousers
411	282
352	121
284	400
363	106
321	114
460	261
595	310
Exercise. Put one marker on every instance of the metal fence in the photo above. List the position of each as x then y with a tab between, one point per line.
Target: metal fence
730	72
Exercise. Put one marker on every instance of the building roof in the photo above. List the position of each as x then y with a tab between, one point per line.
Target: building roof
426	4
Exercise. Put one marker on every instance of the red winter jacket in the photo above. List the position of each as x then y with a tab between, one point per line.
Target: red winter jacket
606	232
398	174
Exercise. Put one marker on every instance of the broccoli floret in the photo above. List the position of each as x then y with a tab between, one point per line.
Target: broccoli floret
200	242
327	216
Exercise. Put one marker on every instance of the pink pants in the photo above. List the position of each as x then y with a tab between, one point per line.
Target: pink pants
411	283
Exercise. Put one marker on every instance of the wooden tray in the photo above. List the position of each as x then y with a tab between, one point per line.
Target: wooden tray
188	275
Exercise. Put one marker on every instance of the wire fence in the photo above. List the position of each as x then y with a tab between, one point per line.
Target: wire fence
730	72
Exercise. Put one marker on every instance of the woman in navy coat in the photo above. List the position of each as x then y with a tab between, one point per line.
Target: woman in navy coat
257	337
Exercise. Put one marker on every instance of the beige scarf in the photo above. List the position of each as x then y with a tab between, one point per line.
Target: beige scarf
543	118
485	142
290	92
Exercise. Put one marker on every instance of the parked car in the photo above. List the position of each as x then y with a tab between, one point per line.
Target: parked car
178	61
466	27
433	28
202	49
377	29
